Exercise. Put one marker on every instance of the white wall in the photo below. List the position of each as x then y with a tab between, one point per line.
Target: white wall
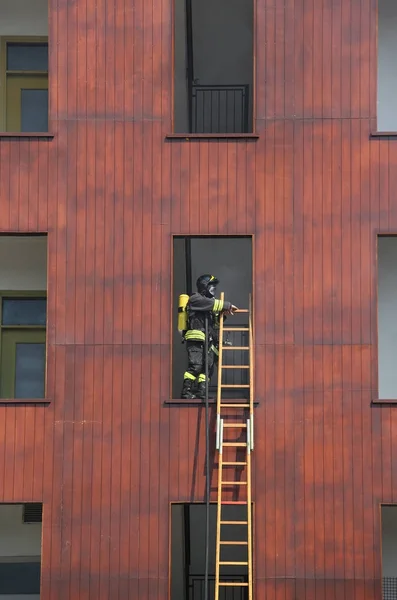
17	538
23	263
389	541
387	317
23	17
387	72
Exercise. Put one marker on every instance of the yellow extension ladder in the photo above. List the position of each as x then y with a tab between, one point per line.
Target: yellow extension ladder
243	426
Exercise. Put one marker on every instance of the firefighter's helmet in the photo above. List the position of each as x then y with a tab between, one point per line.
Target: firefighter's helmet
206	281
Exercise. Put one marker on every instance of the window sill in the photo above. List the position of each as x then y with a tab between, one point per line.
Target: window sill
16	134
383	134
196	402
211	136
380	401
24	401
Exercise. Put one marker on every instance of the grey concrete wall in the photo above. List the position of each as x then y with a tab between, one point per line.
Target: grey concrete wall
389	541
23	17
23	263
387	317
387	72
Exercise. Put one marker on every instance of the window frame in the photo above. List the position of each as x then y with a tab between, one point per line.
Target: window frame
32	331
15	39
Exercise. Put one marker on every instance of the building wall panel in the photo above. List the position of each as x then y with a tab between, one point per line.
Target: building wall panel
106	456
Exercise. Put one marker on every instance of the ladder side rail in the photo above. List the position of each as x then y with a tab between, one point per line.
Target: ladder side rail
249	526
220	449
219	513
220	360
251	373
249	448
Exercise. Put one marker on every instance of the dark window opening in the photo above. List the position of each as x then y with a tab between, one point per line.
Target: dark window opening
213	66
188	552
228	258
20	552
389	551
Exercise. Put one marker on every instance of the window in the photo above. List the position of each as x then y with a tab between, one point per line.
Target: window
229	258
389	551
213	48
25	84
387	322
23	331
188	552
387	73
20	554
23	308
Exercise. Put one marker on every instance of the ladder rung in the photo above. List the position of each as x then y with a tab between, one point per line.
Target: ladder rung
233	502
235	584
235	366
234	523
236	329
235	347
242	310
231	562
240	385
232	405
233	444
234	482
235	464
235	425
234	543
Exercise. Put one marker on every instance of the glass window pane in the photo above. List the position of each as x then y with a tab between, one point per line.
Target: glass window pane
19	578
34	110
24	311
27	57
29	370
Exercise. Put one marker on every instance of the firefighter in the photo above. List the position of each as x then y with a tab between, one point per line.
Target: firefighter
202	304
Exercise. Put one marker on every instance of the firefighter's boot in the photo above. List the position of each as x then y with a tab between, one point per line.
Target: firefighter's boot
201	390
200	393
187	393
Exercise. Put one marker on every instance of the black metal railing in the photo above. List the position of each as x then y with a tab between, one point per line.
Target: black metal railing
196	588
389	588
220	109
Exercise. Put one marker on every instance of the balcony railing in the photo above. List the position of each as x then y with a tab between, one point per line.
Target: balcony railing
196	588
220	108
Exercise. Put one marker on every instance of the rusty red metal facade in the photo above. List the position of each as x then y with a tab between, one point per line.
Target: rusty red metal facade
106	455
